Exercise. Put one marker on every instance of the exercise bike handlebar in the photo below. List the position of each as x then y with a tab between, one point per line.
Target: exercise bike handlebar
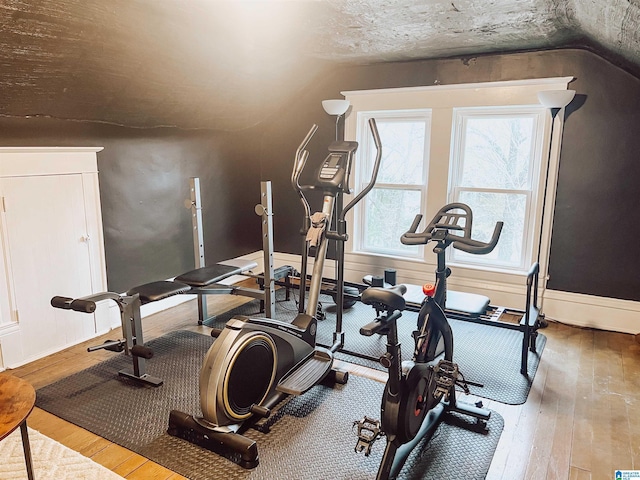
303	145
446	231
477	247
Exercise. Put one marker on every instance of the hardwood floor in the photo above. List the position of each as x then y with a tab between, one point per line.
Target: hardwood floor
581	420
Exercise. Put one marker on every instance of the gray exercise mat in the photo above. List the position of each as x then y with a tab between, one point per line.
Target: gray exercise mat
487	355
314	439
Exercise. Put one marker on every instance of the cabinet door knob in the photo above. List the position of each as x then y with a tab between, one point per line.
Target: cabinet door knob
85	238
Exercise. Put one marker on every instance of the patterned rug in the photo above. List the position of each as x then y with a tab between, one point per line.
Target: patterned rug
51	460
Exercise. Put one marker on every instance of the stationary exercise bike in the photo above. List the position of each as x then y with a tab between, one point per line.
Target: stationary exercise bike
256	362
419	391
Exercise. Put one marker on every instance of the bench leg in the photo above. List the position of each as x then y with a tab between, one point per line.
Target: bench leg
202	309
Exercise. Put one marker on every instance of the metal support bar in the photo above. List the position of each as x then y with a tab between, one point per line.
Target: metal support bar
265	210
198	240
132	331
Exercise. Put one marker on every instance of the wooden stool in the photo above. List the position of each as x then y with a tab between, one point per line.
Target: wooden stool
17	398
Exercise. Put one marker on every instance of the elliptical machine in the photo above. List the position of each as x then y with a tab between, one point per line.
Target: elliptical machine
256	362
419	391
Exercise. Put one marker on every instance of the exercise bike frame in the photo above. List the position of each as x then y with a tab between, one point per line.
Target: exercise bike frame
417	394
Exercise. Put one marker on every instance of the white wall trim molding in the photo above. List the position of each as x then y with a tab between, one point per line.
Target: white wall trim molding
602	313
26	161
552	81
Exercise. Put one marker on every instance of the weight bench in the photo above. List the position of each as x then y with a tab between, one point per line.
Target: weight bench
201	281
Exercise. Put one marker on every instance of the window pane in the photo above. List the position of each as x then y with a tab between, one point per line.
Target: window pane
403	152
489	208
389	215
497	152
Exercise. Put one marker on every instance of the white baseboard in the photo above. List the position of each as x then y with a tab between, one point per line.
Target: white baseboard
571	308
590	311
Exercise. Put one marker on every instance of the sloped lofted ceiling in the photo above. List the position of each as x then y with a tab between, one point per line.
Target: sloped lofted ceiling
227	64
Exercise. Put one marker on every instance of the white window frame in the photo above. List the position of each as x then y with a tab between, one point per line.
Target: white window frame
536	166
366	156
504	287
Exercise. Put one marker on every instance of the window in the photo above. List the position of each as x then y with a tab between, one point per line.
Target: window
400	190
484	144
494	165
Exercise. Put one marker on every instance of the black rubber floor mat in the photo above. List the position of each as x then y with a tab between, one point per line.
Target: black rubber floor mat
489	356
313	440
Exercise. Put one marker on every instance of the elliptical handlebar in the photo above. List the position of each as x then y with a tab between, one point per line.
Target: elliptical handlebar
374	174
299	163
443	226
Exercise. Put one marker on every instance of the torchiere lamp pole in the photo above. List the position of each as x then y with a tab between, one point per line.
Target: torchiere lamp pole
555	101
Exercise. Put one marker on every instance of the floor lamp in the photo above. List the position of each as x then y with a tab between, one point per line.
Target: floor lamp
337	108
555	101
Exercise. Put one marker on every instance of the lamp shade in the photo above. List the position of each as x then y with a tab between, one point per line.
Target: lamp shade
556	98
335	107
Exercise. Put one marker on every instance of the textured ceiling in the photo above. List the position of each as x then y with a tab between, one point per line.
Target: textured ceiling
193	63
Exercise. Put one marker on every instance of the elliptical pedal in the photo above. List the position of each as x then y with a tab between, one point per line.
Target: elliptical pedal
307	374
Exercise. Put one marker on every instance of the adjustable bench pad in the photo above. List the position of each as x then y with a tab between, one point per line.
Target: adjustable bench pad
201	277
463	302
154	291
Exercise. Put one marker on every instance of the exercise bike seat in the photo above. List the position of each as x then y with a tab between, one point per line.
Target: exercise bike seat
391	298
154	291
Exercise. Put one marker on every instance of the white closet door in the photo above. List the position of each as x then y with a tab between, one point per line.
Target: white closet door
46	228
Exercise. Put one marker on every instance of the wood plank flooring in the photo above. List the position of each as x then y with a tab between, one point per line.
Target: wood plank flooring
581	420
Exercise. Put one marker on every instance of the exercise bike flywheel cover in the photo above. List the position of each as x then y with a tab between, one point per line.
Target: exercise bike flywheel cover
429	289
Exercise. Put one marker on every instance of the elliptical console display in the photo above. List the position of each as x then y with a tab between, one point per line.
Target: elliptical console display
335	170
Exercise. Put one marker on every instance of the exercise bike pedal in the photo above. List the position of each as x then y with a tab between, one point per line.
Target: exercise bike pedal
446	375
307	374
368	432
